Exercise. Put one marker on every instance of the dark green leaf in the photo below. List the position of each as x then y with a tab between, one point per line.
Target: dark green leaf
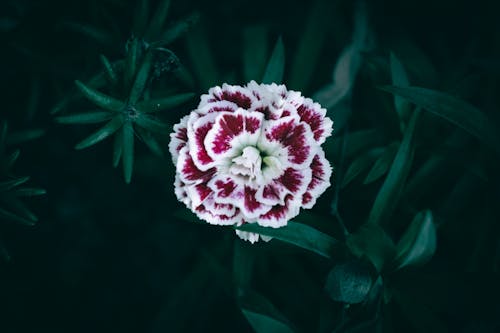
388	195
243	263
111	127
158	20
382	164
99	35
262	315
12	158
4	214
372	241
10	184
117	148
131	63
18	137
418	243
297	234
276	64
151	142
400	78
141	16
151	124
108	69
360	165
29	192
16	207
255	52
452	109
178	29
101	100
349	282
161	104
128	151
141	79
85	118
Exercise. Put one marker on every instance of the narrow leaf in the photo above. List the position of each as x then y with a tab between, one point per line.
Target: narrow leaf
85	118
400	79
276	64
117	148
141	16
10	184
128	151
255	51
297	234
382	164
161	104
141	79
150	141
29	192
101	100
17	208
18	137
158	20
111	127
131	61
418	243
12	158
360	165
5	214
151	124
108	69
177	29
388	195
454	110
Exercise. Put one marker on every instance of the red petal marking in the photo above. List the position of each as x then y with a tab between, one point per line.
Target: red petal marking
318	172
270	192
230	126
277	212
306	198
192	173
182	134
225	189
203	191
252	124
201	152
221	109
237	98
291	179
293	137
313	118
251	204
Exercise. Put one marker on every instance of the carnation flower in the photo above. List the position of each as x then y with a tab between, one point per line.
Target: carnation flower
251	154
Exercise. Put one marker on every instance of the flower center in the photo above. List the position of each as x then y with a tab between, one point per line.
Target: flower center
248	164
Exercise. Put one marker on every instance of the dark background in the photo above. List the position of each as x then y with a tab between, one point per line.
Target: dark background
106	256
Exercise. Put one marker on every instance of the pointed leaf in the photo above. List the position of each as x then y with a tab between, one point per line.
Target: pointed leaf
5	214
109	70
161	104
99	35
29	192
141	16
141	79
243	264
10	184
382	164
23	136
85	118
418	243
297	234
360	165
349	282
177	29
158	21
400	79
150	141
111	127
276	64
151	124
255	52
101	100
262	315
128	151
131	61
15	206
454	110
388	195
12	158
117	148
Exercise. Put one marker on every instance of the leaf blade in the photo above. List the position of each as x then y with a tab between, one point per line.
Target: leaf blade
101	100
128	151
85	118
110	128
276	64
161	104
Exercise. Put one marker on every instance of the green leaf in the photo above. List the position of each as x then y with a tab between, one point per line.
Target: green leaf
99	35
12	158
361	164
177	30
297	234
382	164
141	16
276	64
371	241
10	184
262	315
158	20
131	61
108	69
399	78
150	141
5	214
128	151
101	100
151	124
19	137
85	118
111	127
255	52
243	263
15	206
141	79
390	192
161	104
418	243
452	109
311	43
117	148
29	192
349	282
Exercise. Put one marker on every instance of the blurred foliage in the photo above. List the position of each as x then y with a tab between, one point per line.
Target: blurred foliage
406	240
